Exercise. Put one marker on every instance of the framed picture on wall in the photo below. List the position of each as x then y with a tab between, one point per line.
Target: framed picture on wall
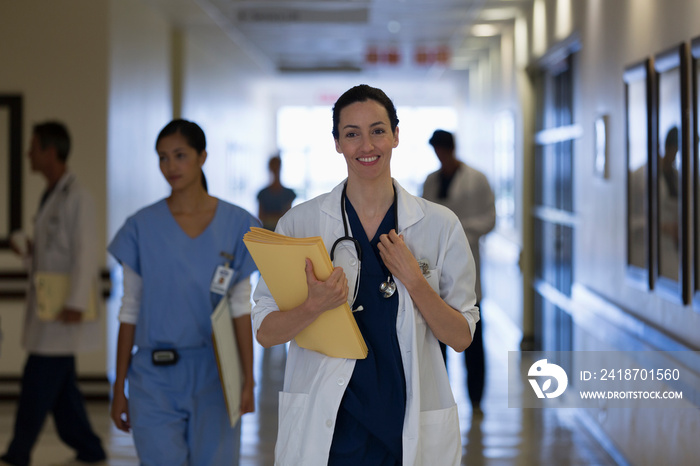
672	156
695	154
638	79
600	136
10	167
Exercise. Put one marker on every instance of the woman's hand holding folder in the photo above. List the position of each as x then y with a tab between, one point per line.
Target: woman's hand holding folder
325	295
281	327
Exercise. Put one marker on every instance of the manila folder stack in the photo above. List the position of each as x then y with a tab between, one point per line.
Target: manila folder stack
52	290
281	261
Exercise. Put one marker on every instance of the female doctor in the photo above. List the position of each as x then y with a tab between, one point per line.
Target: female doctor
180	255
405	267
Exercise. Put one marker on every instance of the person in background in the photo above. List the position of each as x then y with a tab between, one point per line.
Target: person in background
274	200
416	275
180	256
65	242
466	192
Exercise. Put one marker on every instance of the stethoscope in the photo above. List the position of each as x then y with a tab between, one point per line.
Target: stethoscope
388	286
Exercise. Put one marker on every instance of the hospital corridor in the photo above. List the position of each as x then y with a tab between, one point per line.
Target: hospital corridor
537	158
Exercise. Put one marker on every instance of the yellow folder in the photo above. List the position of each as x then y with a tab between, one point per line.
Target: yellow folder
281	261
52	292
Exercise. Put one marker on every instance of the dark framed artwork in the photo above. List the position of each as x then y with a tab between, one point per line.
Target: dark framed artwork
10	167
695	142
639	124
672	157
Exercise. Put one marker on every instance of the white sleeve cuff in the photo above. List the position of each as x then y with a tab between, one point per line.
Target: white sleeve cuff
131	300
239	298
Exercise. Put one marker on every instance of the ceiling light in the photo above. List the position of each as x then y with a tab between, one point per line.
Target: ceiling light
394	27
484	30
498	14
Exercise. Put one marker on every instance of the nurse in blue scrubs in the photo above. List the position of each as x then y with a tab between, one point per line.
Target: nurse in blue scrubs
180	256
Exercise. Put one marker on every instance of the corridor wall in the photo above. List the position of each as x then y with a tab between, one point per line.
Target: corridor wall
610	311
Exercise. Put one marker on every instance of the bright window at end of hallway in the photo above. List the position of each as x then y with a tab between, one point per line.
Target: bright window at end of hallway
312	166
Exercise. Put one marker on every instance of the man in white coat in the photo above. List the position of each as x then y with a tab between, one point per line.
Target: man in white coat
466	192
65	237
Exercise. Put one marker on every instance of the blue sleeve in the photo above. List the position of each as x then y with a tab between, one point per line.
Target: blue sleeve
243	263
125	246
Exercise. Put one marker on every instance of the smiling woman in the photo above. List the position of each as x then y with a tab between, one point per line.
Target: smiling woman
376	410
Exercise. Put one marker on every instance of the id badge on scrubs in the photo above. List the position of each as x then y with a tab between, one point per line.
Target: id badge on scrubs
221	280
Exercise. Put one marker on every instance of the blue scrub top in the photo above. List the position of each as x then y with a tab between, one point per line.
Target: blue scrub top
275	201
177	271
370	419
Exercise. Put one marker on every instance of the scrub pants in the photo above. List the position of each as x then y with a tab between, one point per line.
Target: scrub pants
178	413
49	385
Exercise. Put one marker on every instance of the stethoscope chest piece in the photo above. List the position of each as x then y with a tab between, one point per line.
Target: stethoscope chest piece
388	288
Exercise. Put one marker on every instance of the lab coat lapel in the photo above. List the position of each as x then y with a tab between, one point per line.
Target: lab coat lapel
61	185
45	210
410	211
331	208
345	254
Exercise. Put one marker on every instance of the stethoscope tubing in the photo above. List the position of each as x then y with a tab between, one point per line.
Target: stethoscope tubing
388	287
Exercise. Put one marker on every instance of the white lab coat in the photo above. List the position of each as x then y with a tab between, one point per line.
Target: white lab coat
65	241
314	384
470	197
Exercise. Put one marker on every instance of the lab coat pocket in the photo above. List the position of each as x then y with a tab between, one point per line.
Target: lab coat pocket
433	277
440	441
292	412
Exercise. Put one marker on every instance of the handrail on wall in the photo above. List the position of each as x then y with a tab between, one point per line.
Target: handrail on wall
13	284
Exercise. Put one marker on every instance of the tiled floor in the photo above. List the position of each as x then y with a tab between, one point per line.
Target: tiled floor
503	436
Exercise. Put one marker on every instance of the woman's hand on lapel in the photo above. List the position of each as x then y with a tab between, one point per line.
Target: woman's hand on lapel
399	259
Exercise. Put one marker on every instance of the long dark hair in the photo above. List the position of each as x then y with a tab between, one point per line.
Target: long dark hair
363	93
193	134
